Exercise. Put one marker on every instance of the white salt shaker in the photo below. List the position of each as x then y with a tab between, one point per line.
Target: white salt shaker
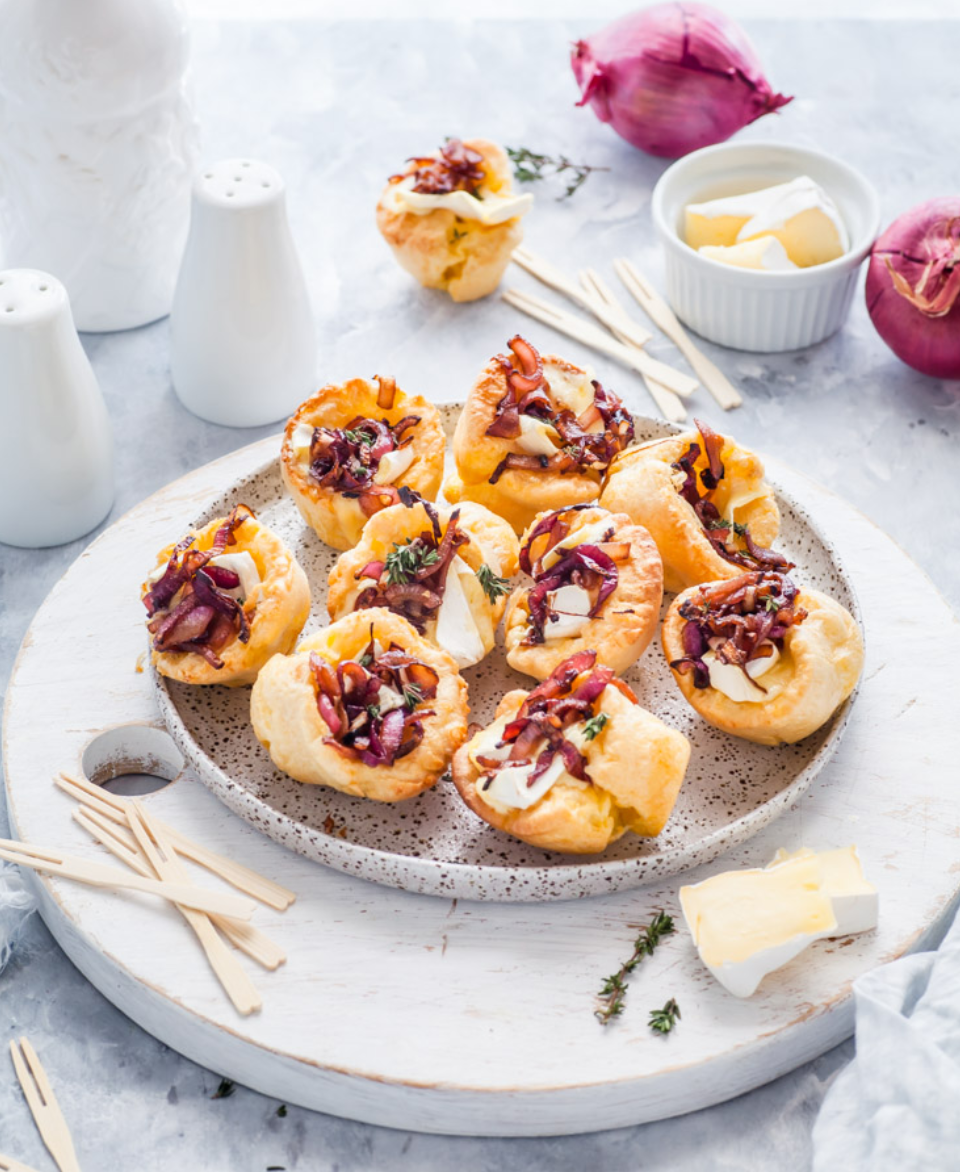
242	339
56	445
98	146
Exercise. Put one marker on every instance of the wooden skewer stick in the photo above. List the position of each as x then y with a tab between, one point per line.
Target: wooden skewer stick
670	405
9	1164
614	318
97	875
44	1106
654	306
121	843
590	335
243	878
161	856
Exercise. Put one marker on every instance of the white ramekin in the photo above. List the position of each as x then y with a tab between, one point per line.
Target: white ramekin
744	308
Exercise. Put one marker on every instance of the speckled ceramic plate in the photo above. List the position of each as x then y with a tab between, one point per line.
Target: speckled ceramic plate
433	843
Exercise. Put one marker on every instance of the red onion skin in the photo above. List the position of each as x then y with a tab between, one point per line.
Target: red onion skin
930	345
673	78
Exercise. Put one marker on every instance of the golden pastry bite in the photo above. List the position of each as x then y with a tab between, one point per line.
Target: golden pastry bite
597	583
536	434
366	706
453	219
574	764
223	600
444	570
760	659
705	503
350	447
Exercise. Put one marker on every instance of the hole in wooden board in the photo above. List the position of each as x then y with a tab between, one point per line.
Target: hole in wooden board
132	760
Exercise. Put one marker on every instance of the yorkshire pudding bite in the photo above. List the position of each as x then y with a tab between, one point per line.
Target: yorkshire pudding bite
452	218
760	659
223	600
705	502
573	764
597	583
535	434
366	706
348	449
444	571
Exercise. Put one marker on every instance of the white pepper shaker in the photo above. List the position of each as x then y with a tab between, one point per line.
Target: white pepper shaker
242	339
56	444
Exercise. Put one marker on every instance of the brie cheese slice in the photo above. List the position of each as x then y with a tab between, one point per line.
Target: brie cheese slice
570	390
572	604
509	786
301	439
856	903
592	534
730	680
746	924
536	437
457	630
393	464
243	565
389	698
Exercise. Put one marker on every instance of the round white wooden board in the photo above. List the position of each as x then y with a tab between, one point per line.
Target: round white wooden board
460	1017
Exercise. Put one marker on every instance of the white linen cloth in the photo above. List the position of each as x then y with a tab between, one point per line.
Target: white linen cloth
897	1105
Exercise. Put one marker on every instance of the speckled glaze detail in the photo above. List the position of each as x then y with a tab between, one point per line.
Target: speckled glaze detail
433	844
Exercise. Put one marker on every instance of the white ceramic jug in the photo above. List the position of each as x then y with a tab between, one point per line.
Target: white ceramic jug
56	445
98	145
242	339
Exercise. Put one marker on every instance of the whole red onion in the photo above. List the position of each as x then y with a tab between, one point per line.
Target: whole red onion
673	78
913	287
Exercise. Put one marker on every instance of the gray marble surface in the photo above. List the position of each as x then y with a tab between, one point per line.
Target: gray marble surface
336	108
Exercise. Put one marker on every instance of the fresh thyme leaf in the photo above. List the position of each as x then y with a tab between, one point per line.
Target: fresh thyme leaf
457	235
663	1020
359	437
723	523
365	660
529	166
282	1110
772	604
225	1089
614	988
412	695
403	561
493	585
595	725
373	711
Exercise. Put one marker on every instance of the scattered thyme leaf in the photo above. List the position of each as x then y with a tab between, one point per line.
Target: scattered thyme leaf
373	711
412	695
493	585
614	988
225	1089
403	561
359	437
663	1020
529	166
723	523
772	604
595	725
282	1110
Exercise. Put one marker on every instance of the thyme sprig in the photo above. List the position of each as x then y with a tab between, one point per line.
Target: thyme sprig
613	991
412	695
595	725
529	166
493	585
403	561
663	1020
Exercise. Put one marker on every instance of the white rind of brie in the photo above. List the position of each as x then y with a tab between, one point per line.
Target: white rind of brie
243	565
457	630
393	464
491	209
571	605
300	440
536	437
730	680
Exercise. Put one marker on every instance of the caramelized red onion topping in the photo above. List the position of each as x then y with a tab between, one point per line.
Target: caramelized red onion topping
205	619
741	618
411	580
346	459
568	696
528	393
591	567
350	696
457	168
721	533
